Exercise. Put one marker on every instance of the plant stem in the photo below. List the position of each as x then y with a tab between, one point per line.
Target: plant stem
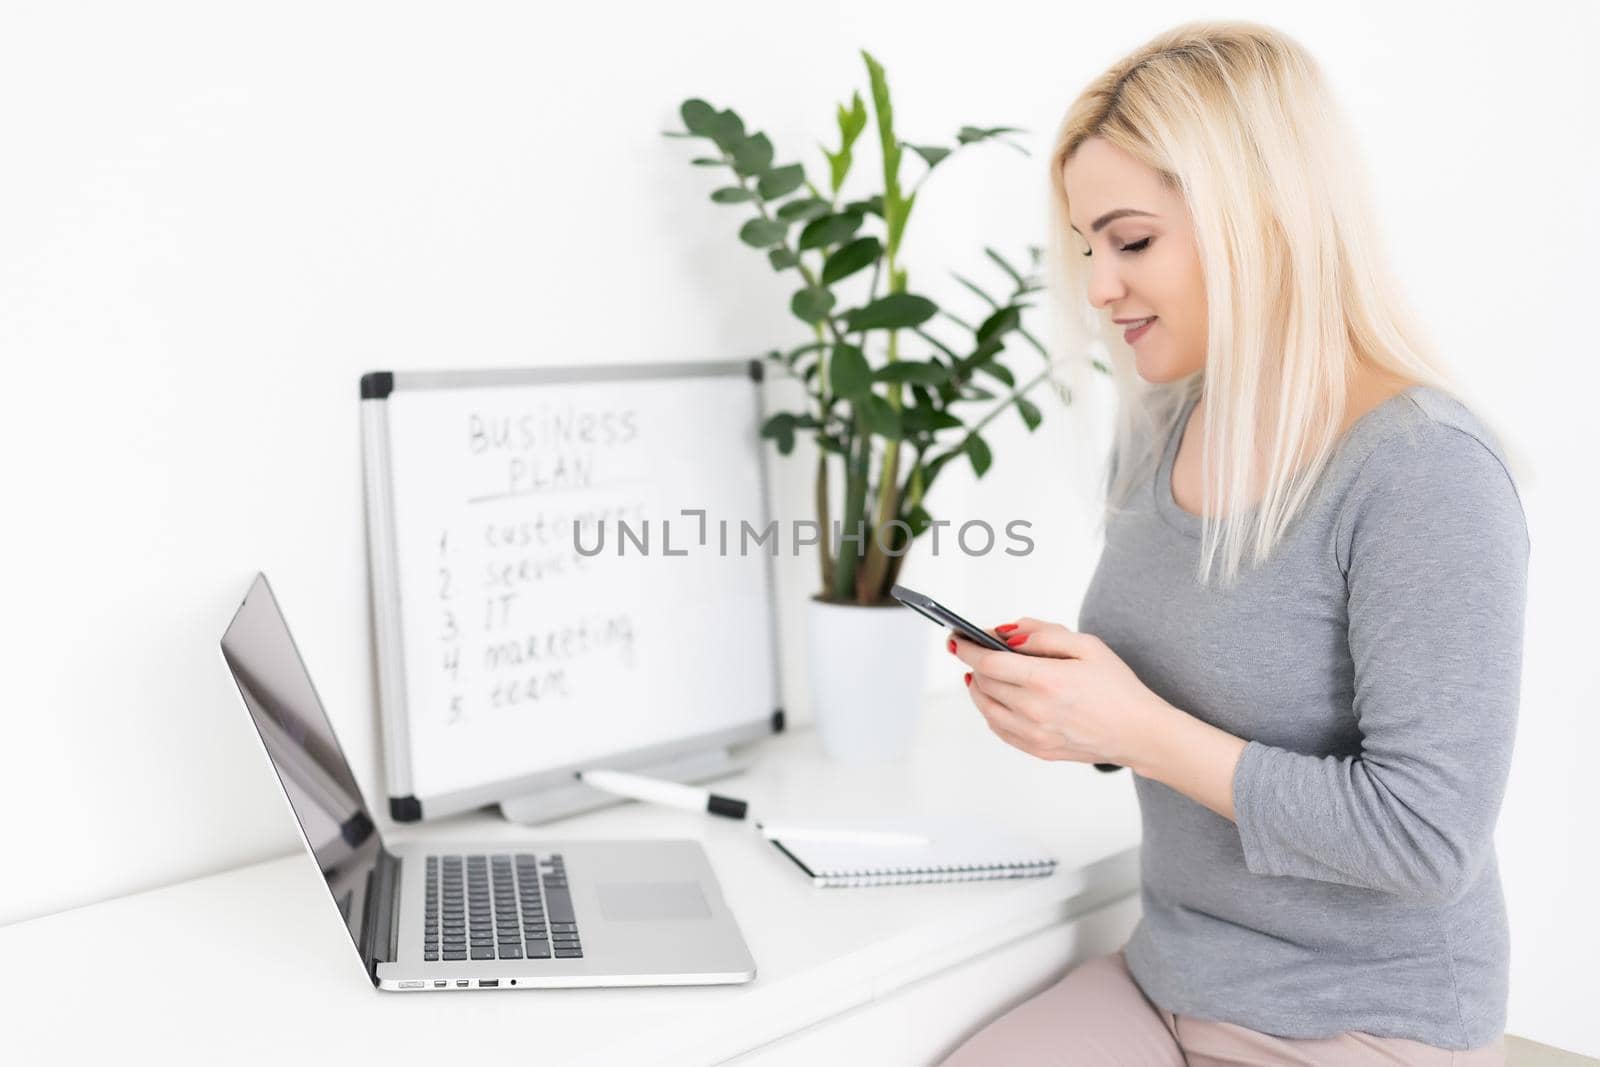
823	329
910	500
877	561
844	571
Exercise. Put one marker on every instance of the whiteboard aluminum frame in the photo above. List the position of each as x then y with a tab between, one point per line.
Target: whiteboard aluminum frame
385	594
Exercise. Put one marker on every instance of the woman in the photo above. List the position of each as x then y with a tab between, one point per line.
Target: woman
1320	735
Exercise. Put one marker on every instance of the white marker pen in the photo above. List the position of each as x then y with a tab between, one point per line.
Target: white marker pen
673	794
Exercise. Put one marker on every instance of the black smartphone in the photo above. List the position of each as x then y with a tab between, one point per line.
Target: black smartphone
940	615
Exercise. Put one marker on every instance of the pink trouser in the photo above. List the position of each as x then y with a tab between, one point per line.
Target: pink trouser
1098	1015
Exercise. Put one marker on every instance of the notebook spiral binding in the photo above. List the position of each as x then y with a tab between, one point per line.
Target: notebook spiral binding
914	875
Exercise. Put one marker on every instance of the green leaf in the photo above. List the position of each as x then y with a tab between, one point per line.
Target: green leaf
973	134
699	117
752	155
829	230
707	162
924	419
982	353
893	312
890	148
1030	413
781	181
849	376
763	233
780	428
931	469
829	443
727	129
896	215
851	123
979	453
783	258
838	167
1003	321
880	417
811	305
802	210
991	301
794	354
872	205
973	392
940	345
913	370
732	195
998	371
930	154
963	323
1008	268
918	520
861	252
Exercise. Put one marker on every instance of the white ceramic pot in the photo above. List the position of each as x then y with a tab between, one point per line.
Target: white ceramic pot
868	668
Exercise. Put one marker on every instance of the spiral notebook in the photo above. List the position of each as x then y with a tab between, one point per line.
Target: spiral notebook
959	850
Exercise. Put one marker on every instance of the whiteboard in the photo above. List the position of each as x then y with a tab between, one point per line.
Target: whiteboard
542	603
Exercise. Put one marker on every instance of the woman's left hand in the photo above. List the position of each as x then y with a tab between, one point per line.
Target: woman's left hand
1068	697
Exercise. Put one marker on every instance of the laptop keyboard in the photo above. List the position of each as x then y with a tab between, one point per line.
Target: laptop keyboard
499	907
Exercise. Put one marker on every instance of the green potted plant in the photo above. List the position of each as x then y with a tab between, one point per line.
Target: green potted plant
887	401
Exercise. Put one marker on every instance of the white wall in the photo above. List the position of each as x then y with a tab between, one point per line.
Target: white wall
213	220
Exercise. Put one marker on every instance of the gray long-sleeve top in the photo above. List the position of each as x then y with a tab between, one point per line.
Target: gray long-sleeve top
1374	665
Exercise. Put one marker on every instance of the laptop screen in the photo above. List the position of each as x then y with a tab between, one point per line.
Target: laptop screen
276	688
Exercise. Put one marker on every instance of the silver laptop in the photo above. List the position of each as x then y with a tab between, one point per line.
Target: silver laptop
476	916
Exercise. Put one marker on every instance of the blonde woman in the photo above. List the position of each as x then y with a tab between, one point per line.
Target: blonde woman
1304	635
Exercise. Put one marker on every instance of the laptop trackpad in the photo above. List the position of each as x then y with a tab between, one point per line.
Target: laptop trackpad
652	900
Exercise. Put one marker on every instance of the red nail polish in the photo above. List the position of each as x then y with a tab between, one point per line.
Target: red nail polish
952	644
1007	628
969	678
1016	639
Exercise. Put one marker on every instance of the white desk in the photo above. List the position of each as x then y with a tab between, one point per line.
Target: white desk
254	965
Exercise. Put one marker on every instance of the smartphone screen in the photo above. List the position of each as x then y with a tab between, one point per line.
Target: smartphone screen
931	609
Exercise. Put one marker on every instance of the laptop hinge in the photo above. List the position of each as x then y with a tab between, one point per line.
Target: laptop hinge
381	930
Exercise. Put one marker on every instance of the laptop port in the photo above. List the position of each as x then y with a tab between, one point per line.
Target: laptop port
488	983
440	984
462	983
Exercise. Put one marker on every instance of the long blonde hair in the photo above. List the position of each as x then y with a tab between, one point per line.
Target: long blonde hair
1237	119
